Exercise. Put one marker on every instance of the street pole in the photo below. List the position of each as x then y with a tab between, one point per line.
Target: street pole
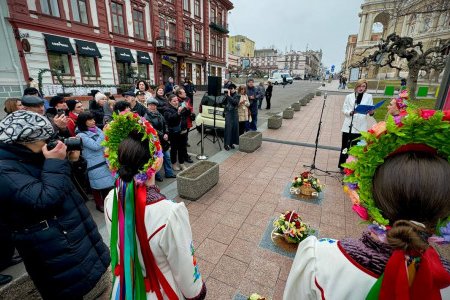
443	100
202	155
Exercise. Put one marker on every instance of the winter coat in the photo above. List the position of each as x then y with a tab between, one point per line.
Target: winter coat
162	103
359	120
139	109
253	102
243	109
260	92
173	119
269	91
53	230
99	175
186	121
168	89
72	123
159	123
231	133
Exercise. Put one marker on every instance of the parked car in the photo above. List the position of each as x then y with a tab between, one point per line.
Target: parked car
277	78
209	105
298	78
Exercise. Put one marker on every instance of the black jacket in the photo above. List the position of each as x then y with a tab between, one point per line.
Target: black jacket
173	119
159	123
67	258
139	109
162	104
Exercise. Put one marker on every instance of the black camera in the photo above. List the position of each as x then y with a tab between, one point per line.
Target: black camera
72	143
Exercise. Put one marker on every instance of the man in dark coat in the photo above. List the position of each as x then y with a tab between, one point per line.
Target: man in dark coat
253	95
53	230
135	106
231	134
168	89
159	123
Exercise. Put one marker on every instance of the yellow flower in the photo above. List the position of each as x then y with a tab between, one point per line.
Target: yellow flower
305	180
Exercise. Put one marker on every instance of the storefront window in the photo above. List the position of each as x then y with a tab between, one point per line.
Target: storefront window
213	71
87	66
123	70
59	62
143	71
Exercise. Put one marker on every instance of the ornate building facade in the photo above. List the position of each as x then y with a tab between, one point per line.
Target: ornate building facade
424	21
111	42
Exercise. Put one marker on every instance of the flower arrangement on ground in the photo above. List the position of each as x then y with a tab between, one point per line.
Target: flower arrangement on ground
255	296
306	184
292	228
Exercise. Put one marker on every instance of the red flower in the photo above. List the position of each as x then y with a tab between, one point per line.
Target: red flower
305	174
427	113
297	224
446	115
348	171
288	216
106	138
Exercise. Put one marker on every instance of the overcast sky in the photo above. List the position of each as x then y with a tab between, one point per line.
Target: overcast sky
320	24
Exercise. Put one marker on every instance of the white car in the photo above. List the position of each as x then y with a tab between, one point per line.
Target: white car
277	78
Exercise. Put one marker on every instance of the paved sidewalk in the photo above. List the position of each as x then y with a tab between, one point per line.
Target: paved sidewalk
230	223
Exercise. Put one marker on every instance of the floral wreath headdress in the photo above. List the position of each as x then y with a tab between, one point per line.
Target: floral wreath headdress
402	100
119	129
127	227
423	130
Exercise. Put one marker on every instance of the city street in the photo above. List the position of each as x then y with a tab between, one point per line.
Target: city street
282	98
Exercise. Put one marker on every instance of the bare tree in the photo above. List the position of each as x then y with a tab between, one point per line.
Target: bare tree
416	56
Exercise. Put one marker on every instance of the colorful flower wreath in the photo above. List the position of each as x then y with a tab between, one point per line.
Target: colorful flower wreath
119	129
419	129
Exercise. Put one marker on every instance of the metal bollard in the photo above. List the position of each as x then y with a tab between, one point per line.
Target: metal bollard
202	155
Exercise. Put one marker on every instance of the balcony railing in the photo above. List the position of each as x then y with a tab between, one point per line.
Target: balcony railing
218	25
166	42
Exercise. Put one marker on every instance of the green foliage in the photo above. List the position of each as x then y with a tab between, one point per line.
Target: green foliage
433	132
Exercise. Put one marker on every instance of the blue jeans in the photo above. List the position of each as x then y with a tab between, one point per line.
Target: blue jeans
253	125
167	165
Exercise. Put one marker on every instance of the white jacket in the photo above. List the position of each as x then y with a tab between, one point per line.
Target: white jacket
359	120
323	270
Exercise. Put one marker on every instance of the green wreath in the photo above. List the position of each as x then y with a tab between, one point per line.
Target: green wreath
431	128
119	129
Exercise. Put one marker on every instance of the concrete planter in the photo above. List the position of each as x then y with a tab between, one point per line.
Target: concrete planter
318	93
198	179
274	122
304	101
250	141
288	113
296	106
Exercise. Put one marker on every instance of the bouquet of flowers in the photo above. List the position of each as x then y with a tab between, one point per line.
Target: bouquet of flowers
292	228
306	184
255	296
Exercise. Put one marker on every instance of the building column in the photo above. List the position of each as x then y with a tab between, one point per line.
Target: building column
362	26
368	31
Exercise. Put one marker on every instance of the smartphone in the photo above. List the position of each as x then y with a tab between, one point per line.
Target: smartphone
60	112
183	104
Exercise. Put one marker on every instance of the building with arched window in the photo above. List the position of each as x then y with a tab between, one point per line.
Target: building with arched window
426	21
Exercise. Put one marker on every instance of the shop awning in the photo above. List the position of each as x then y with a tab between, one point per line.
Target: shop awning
144	58
87	49
124	55
58	44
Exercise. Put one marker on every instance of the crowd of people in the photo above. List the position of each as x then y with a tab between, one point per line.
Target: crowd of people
396	178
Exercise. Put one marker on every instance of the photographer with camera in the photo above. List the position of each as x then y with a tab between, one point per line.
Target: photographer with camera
53	230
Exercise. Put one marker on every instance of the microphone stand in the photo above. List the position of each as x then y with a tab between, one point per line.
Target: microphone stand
313	165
